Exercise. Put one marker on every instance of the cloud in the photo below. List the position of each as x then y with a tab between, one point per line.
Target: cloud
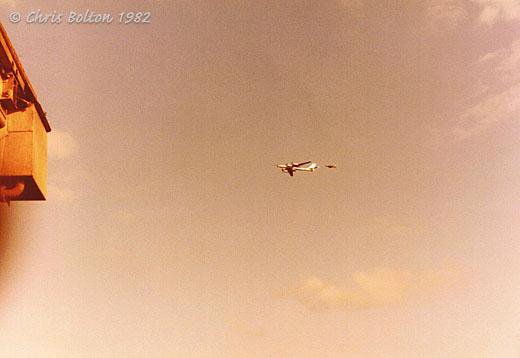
61	194
9	3
493	11
497	91
444	15
354	7
499	69
505	62
248	330
493	109
385	226
66	182
351	4
61	145
370	289
126	216
489	57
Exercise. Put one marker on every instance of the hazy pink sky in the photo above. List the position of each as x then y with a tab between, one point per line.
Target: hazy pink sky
169	232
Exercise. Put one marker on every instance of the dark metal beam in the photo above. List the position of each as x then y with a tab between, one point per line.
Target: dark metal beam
9	60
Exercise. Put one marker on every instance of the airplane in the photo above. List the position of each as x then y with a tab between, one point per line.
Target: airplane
293	167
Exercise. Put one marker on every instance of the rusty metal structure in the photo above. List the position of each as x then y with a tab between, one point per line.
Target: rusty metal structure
23	131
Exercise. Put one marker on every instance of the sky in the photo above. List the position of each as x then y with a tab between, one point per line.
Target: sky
168	232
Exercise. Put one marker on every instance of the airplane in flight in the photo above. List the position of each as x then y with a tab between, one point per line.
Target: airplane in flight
293	167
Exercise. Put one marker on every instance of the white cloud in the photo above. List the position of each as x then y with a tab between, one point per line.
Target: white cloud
489	15
61	194
509	59
501	68
493	109
353	7
506	59
490	57
351	4
385	226
248	329
61	145
374	288
498	90
492	11
8	3
444	15
66	181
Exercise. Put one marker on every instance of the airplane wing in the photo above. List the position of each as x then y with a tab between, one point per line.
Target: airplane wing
300	164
